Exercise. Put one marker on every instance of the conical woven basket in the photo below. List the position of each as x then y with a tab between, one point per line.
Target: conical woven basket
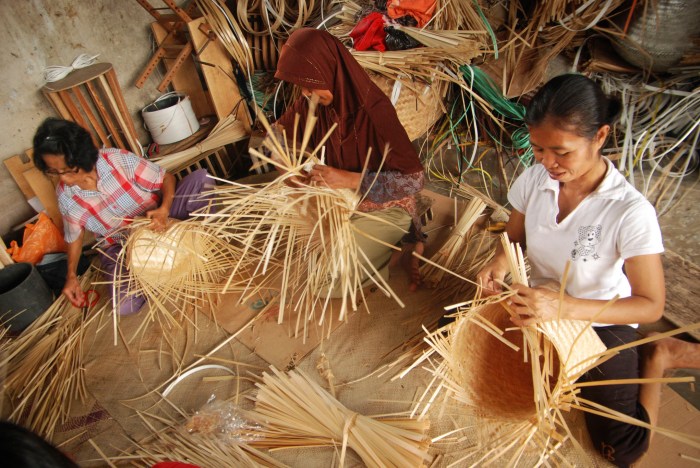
498	379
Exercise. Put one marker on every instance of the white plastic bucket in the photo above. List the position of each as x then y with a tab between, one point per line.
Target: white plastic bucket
170	118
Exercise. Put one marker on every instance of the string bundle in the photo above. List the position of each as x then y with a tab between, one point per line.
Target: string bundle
658	134
58	72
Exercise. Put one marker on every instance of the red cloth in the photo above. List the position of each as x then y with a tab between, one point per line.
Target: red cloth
369	33
366	119
421	10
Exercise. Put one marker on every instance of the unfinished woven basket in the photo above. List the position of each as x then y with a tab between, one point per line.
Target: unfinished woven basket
498	379
161	258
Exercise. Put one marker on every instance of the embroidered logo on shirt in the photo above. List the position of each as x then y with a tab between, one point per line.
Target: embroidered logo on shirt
585	247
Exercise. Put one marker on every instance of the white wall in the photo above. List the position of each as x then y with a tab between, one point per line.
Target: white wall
38	33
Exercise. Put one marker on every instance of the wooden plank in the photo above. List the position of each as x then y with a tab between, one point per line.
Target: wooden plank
128	123
57	104
78	77
46	193
104	115
5	258
682	297
17	165
186	79
87	109
123	119
223	88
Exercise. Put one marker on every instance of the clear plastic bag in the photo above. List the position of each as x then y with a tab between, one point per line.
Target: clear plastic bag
223	420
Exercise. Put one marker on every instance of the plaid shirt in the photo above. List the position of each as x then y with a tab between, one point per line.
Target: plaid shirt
126	188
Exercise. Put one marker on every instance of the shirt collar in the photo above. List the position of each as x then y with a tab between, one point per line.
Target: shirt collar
612	187
102	168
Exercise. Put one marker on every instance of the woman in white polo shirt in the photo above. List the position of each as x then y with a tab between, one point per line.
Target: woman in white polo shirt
575	207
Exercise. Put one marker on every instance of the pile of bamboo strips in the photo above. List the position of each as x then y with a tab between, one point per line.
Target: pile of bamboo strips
454	252
43	367
298	239
228	31
294	411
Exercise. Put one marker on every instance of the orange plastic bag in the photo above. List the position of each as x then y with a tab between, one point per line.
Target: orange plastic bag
38	239
421	10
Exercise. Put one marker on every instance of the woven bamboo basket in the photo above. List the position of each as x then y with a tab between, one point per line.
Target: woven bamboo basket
162	258
418	108
498	379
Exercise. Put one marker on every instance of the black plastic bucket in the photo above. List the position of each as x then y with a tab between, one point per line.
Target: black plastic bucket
24	296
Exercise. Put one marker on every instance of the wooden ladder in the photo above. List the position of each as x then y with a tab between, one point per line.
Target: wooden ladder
175	24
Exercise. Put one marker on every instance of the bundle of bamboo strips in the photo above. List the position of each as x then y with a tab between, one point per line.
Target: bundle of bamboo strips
299	239
454	252
182	267
294	411
228	130
43	366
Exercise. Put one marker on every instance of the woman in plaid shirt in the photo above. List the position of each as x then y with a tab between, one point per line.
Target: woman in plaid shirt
102	190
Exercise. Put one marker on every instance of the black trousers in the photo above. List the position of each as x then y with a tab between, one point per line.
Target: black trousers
620	443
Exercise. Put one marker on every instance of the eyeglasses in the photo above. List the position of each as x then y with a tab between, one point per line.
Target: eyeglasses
54	172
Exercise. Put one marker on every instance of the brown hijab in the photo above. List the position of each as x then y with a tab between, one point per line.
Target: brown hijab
366	118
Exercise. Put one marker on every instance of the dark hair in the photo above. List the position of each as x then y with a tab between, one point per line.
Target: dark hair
63	137
20	447
575	103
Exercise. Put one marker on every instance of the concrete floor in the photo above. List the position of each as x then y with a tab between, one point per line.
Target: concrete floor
679	225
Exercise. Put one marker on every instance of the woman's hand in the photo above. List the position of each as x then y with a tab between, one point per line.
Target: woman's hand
335	178
73	291
490	278
159	218
535	305
297	181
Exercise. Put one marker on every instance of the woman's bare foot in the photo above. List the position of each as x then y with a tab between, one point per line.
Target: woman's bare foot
409	262
412	266
672	353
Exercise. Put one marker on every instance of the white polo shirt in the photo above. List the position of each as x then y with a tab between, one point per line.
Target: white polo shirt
610	225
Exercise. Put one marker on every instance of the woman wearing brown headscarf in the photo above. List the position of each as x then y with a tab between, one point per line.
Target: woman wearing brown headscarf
319	64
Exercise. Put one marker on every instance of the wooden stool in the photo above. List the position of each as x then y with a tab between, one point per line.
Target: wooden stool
92	98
